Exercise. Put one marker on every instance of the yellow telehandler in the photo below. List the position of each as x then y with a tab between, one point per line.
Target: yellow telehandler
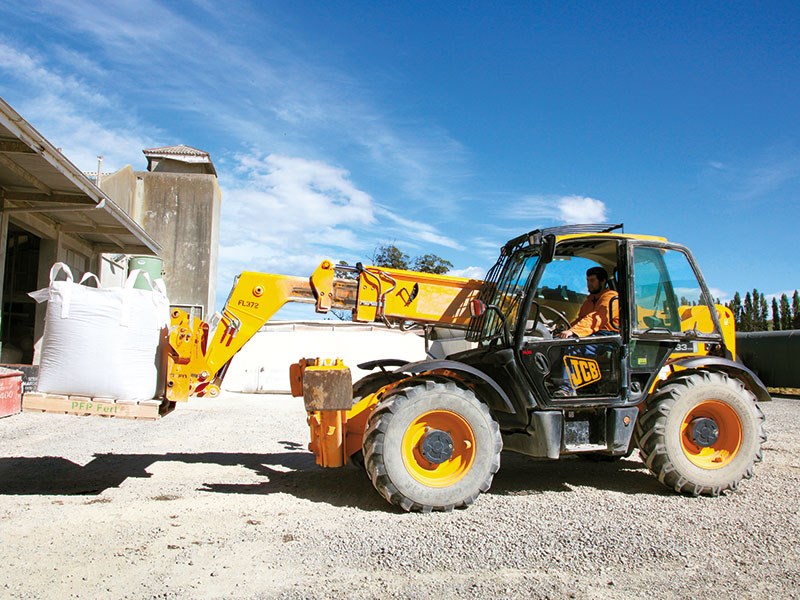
662	378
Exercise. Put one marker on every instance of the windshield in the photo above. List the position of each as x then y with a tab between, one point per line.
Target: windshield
509	291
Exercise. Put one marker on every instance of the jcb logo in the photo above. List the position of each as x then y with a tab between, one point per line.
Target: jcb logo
582	371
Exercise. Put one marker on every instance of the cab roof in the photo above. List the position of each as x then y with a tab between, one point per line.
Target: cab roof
568	232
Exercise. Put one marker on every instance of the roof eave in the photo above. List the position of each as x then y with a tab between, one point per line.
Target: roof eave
26	133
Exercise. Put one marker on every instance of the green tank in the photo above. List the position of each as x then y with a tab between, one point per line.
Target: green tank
152	265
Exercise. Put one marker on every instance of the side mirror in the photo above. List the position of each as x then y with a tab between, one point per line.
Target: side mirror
477	307
613	313
548	248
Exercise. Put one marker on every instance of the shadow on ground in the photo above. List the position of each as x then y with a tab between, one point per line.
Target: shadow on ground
294	472
520	475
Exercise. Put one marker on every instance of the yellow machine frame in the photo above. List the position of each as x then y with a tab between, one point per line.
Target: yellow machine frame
199	353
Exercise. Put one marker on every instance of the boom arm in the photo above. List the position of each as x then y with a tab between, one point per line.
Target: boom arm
199	354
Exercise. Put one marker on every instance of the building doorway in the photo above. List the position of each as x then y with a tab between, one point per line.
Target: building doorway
19	309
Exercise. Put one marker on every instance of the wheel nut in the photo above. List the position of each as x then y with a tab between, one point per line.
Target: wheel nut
705	431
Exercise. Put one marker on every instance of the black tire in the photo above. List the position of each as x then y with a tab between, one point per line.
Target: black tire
389	443
373	382
664	433
369	384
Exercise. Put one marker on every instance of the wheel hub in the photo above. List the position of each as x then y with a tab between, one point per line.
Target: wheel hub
705	431
437	446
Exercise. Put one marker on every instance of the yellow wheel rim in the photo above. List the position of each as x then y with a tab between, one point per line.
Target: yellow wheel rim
725	448
451	470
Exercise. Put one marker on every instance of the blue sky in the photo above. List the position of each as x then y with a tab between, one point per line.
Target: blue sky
441	127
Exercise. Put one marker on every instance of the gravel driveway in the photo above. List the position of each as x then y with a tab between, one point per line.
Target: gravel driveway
221	499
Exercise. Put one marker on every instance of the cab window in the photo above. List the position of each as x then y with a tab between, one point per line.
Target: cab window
509	292
563	285
667	293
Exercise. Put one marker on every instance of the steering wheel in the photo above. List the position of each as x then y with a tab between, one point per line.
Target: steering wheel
548	326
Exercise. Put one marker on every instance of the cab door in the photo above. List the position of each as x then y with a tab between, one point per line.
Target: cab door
575	371
670	310
581	371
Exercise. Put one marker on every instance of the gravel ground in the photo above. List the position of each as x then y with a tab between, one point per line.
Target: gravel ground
221	499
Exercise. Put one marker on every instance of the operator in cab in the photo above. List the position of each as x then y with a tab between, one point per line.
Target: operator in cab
594	315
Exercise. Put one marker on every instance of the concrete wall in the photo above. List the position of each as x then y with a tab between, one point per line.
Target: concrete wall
121	188
181	212
262	366
168	165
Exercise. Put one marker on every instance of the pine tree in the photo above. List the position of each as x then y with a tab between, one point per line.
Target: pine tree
786	313
736	308
762	314
776	316
747	314
796	310
754	314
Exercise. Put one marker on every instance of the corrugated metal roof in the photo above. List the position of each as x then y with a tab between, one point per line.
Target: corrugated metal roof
179	150
36	177
182	153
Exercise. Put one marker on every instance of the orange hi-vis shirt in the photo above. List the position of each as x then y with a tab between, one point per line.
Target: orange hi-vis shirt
594	314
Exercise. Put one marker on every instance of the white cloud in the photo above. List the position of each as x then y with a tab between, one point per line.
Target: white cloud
283	214
32	69
484	244
564	209
757	180
135	67
577	209
777	295
417	230
75	117
280	212
723	295
469	272
262	86
769	176
317	193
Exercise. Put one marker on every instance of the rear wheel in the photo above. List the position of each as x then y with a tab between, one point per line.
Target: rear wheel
433	446
701	433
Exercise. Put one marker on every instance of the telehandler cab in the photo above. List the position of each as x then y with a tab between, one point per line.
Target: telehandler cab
430	433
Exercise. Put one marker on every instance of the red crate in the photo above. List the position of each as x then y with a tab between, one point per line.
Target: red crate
10	392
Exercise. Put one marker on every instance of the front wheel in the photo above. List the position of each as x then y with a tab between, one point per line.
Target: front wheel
366	386
701	433
432	446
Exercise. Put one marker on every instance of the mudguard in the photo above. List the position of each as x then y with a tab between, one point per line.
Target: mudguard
459	367
382	363
732	368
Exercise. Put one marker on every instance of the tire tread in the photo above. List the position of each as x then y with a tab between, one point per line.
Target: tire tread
374	449
651	429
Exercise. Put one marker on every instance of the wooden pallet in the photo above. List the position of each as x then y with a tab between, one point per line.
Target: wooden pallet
784	391
149	410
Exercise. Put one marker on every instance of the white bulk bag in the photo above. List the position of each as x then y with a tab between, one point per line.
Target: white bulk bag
102	342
